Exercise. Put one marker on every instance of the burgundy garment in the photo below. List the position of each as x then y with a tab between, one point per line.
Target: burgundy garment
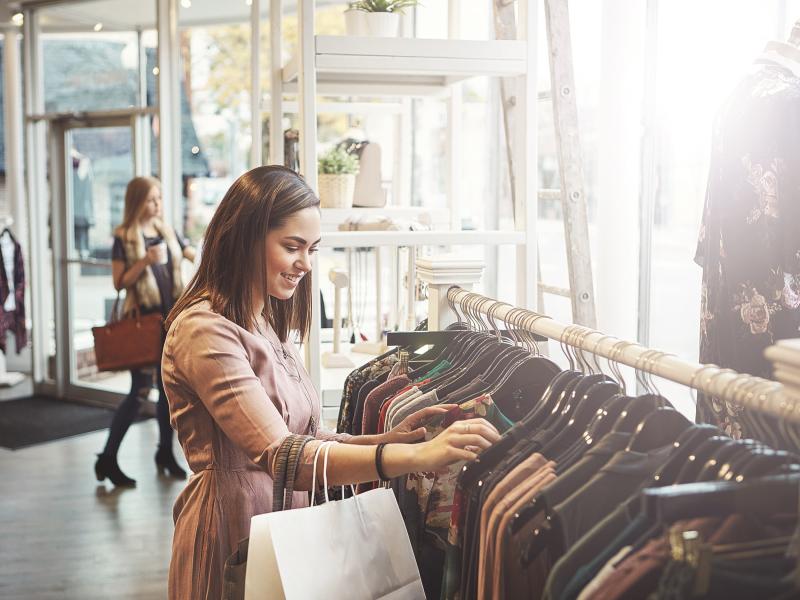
376	398
15	320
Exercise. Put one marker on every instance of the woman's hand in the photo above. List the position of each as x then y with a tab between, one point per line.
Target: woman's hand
463	440
155	254
410	430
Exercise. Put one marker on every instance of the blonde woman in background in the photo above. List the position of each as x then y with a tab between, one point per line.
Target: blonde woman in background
146	262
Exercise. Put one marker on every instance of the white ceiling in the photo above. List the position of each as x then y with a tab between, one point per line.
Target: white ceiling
130	15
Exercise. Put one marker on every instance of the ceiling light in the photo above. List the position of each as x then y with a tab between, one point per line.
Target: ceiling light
186	3
248	2
17	19
98	26
195	150
155	71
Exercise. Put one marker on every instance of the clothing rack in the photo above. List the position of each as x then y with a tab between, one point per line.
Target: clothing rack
755	393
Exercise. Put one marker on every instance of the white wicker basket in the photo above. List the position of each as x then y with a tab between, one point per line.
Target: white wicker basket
336	191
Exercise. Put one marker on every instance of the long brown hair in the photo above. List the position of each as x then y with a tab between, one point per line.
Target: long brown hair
135	197
233	252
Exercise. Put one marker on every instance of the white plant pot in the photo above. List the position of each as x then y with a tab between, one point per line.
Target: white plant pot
382	24
336	191
354	22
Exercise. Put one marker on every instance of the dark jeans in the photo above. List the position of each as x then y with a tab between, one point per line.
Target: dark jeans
141	382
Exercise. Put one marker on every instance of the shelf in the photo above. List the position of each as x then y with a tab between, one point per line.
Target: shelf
357	239
405	66
333	217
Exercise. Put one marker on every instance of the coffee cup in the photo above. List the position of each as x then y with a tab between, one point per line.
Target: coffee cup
163	257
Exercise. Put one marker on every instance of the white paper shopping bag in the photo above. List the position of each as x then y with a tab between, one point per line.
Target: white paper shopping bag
356	548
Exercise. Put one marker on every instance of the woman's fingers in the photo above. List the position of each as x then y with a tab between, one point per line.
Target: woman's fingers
477	426
471	439
460	454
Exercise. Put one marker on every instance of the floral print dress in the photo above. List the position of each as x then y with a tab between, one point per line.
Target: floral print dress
749	243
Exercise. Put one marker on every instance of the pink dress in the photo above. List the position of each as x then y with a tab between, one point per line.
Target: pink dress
233	397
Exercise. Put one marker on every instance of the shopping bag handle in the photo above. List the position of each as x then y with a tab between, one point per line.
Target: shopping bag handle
327	449
324	474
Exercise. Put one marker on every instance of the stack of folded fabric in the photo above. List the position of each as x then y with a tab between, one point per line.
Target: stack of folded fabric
785	358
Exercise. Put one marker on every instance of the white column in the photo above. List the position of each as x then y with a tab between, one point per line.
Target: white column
141	123
14	118
36	182
169	111
276	83
256	159
526	158
307	96
440	273
454	128
618	173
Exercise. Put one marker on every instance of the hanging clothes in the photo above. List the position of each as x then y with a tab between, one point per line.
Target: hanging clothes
554	508
82	201
12	286
749	242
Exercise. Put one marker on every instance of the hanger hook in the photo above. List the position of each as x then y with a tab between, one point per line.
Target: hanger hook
534	317
641	372
470	306
636	368
510	320
452	293
580	339
524	317
657	359
478	316
484	311
695	375
614	364
595	356
564	347
710	381
495	306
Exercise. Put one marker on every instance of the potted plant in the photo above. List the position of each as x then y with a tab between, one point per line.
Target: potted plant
382	17
355	20
337	178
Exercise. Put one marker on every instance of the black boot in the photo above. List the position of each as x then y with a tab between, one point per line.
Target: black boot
165	461
106	466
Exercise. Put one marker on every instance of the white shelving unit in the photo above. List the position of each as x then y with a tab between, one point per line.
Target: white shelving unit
402	68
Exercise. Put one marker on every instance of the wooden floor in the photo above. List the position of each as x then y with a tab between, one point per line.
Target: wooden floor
63	535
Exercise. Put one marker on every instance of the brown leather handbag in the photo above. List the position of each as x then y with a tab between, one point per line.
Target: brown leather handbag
128	342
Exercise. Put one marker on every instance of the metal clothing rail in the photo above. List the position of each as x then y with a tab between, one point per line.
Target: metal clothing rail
752	392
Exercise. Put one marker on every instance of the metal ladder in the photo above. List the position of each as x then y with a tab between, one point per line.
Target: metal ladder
570	165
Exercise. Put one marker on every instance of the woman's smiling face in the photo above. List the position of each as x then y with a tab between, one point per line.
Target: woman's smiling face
289	250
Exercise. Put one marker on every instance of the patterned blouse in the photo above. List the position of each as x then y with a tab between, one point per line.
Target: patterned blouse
749	243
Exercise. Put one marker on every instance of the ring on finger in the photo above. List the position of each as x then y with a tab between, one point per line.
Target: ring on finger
473	449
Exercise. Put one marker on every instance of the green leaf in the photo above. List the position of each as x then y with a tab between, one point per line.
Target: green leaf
394	6
337	162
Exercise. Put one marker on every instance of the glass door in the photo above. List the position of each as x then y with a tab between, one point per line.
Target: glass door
93	159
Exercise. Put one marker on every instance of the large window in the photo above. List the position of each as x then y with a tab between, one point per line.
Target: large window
700	60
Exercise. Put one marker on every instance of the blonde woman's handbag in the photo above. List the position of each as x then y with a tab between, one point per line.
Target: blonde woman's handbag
126	343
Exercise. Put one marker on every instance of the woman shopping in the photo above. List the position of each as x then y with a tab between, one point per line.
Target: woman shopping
237	387
146	262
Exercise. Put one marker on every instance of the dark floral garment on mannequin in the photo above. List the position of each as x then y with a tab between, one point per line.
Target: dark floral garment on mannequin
749	244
